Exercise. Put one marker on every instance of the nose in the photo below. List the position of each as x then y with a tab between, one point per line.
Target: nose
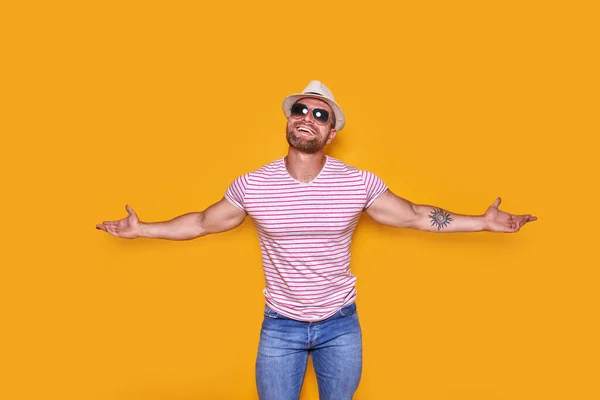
308	117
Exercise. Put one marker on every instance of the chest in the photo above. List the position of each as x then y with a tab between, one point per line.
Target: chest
308	211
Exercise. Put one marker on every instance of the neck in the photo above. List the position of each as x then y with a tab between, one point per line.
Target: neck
304	167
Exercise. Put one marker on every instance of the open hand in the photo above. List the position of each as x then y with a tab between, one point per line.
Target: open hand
499	221
128	227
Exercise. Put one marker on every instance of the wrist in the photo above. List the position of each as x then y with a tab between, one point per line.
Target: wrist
483	223
144	230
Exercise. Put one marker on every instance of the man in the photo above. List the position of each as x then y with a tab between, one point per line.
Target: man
305	207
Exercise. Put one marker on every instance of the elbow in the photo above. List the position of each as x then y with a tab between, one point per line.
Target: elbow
200	226
412	221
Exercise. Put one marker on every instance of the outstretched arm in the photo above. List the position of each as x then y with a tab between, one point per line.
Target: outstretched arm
392	210
219	217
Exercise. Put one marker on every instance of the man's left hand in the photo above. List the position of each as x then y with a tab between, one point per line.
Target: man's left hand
499	221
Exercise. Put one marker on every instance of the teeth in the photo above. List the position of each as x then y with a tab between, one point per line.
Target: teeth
304	129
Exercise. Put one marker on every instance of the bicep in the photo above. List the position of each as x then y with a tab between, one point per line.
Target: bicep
221	216
392	210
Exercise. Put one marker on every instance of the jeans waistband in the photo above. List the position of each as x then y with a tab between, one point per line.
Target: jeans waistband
345	311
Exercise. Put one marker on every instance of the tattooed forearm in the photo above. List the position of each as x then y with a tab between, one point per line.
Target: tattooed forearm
436	219
440	218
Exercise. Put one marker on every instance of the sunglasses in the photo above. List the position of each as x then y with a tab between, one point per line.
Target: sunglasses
299	110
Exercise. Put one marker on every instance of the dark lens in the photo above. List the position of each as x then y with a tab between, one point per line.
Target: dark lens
299	110
321	115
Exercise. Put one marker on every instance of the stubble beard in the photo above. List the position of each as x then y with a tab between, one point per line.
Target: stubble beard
305	145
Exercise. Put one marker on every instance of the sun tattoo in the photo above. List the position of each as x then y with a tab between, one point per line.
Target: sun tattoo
440	218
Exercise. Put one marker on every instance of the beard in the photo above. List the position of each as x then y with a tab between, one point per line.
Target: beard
303	143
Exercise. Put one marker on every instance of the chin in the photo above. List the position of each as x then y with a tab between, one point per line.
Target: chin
301	144
308	149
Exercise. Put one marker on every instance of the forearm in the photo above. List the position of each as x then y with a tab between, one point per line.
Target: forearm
184	227
435	219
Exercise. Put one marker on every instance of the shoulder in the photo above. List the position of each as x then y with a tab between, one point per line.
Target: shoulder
369	179
270	168
236	192
274	168
342	167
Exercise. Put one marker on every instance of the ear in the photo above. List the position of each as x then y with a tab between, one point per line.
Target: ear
332	133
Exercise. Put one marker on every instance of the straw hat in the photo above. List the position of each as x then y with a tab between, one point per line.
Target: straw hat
319	91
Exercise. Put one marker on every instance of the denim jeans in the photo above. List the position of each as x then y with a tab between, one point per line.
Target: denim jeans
335	345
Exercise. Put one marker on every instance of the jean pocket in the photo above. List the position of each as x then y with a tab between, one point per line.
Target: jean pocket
270	313
348	310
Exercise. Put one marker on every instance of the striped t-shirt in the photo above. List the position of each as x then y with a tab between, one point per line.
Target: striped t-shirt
304	231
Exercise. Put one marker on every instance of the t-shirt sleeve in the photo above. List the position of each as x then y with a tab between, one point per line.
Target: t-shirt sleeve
236	192
374	186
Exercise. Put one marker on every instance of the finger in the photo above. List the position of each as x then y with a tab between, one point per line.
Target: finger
100	227
497	202
113	230
527	218
520	218
129	209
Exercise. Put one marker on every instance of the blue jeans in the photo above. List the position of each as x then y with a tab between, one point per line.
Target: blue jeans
335	345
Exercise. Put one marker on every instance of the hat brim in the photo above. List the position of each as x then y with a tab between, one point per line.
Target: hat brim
290	100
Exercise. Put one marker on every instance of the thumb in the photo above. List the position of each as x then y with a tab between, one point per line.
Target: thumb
497	202
129	210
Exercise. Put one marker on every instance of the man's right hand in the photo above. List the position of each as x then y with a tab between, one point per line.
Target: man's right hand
128	227
219	217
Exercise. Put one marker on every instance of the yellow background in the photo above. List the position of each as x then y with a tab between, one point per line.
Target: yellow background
161	106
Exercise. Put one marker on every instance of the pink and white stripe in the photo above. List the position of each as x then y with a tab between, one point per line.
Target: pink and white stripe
305	231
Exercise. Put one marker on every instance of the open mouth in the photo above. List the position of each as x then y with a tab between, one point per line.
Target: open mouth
304	130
